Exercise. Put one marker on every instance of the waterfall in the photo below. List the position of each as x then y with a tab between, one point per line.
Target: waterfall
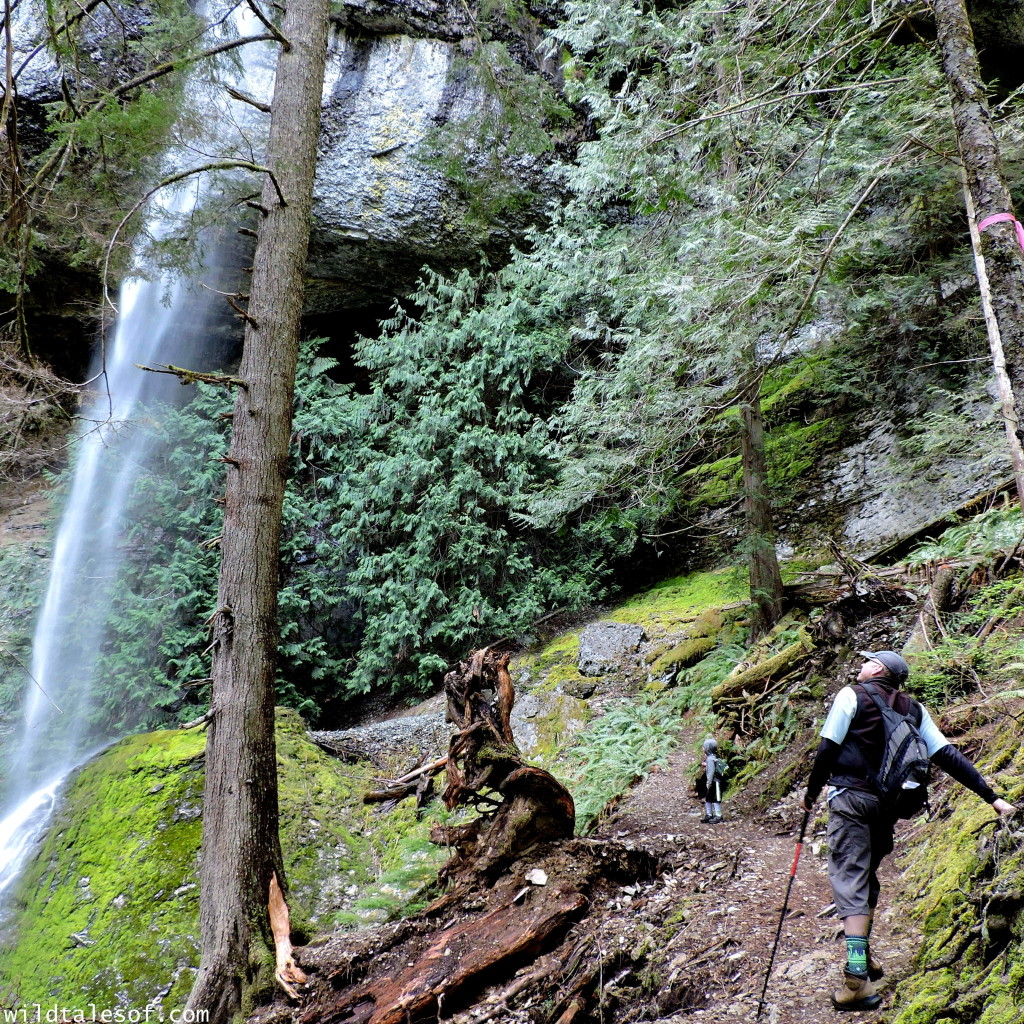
162	319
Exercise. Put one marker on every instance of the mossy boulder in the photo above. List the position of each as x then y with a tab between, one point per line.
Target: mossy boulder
107	912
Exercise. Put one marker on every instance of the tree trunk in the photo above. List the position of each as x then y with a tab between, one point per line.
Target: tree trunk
241	852
979	149
1007	399
765	577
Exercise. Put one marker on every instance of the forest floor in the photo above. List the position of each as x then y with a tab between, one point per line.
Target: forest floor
733	904
663	919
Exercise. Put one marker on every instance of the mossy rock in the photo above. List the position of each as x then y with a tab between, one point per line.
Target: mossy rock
684	599
963	863
107	912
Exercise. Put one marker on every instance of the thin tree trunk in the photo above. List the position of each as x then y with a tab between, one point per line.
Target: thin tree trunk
1007	400
986	182
241	853
765	577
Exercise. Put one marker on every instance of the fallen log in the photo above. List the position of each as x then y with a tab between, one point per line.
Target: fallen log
458	955
771	668
939	598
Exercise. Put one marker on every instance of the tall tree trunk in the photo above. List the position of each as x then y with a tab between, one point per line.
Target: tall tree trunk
1007	399
979	149
241	852
765	577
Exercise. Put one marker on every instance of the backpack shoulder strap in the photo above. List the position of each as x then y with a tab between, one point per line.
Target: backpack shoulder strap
879	701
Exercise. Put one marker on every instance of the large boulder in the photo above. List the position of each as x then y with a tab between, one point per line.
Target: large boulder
608	647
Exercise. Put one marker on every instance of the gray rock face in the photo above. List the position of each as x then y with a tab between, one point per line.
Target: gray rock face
381	209
398	85
887	502
606	646
440	19
423	736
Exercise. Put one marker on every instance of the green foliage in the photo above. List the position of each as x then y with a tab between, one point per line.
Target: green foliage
400	550
619	750
104	143
637	734
999	528
984	640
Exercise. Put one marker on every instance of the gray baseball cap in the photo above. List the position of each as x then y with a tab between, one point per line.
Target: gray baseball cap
893	662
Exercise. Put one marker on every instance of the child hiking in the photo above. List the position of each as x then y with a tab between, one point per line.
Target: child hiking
875	747
714	772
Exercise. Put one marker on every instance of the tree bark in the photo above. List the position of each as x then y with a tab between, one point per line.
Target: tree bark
241	852
765	576
979	149
1007	399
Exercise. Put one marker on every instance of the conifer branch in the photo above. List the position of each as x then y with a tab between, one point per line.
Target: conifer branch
62	151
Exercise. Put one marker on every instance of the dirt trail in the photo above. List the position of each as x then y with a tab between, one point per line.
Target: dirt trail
726	892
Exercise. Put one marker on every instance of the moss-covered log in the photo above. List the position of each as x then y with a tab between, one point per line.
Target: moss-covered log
771	668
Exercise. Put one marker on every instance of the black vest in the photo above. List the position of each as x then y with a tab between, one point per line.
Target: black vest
860	755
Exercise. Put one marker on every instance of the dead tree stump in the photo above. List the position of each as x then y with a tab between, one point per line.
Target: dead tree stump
523	805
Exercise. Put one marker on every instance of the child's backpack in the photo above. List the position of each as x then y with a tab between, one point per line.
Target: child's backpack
903	775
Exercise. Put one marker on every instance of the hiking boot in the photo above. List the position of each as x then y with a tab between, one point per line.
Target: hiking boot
715	819
875	970
858	993
707	818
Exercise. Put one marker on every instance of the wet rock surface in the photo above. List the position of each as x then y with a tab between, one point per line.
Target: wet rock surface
607	646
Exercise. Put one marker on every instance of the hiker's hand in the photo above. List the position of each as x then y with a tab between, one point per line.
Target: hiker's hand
808	805
1001	807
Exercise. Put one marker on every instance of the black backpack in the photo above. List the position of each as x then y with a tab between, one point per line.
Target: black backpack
903	774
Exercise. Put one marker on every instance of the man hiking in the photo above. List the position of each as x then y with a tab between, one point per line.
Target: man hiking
856	751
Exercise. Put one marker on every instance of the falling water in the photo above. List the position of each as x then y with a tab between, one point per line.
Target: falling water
162	319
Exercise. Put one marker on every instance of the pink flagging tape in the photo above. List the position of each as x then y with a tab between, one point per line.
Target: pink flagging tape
997	218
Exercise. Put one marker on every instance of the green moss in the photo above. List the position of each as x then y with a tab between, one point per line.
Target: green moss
559	675
107	912
562	719
966	879
718	482
109	908
793	448
683	656
683	599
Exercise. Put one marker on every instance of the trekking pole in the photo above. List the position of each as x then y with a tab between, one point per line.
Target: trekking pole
785	906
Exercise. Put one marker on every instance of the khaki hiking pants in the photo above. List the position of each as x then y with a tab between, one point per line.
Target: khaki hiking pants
859	836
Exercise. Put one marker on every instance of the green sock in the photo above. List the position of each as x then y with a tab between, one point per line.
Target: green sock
857	954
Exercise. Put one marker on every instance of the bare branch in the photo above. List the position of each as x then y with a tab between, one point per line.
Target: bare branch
269	25
242	97
195	376
216	165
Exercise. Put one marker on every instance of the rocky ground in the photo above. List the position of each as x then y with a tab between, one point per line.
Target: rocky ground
729	882
685	937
